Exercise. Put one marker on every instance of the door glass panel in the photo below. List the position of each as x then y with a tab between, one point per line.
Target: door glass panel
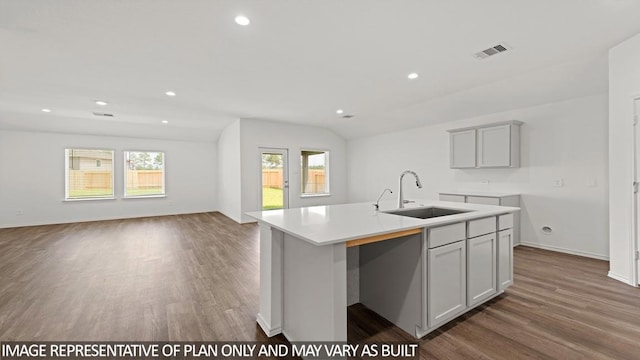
273	181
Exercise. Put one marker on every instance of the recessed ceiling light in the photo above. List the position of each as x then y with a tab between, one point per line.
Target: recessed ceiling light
165	121
170	93
46	110
101	103
339	111
242	20
413	76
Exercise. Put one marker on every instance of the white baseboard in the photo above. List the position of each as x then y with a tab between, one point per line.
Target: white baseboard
266	328
566	251
621	278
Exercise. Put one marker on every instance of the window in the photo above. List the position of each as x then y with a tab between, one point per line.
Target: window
315	172
144	173
89	174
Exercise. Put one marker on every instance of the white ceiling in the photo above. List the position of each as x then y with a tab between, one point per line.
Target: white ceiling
298	61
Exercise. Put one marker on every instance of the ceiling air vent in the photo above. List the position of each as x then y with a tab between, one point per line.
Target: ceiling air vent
102	114
494	50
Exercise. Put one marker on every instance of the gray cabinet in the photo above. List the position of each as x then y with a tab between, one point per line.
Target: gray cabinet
500	199
481	268
505	259
446	282
466	264
463	149
488	146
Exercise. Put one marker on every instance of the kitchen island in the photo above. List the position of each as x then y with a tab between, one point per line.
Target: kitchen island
416	272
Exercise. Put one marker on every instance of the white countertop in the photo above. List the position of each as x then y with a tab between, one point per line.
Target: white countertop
479	193
330	224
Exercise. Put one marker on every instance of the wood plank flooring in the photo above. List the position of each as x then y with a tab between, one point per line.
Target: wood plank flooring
195	277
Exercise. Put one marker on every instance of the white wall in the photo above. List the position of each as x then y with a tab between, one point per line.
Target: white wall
229	172
261	133
565	140
624	85
32	171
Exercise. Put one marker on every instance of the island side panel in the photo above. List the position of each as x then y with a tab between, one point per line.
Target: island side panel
515	202
315	291
391	280
270	316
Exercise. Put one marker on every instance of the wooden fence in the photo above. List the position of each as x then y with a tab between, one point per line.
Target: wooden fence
272	178
144	179
89	179
101	179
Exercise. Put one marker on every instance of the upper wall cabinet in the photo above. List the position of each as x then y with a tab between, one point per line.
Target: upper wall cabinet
486	146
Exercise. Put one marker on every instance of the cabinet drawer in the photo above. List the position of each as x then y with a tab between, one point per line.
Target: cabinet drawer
447	234
483	200
505	222
454	198
481	227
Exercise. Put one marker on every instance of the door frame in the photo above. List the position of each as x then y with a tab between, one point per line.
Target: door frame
285	173
635	208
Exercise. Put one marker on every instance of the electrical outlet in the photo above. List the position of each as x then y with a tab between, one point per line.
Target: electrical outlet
19	212
484	181
558	183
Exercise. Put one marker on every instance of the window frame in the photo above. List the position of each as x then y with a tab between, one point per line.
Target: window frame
66	175
126	169
327	173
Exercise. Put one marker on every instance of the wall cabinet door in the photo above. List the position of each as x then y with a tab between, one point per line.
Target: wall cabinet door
505	259
446	283
494	146
481	268
463	149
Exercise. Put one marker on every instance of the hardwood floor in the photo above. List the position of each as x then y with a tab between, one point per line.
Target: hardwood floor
195	277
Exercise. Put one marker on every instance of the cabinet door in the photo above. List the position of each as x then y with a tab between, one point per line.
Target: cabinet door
494	146
505	259
463	149
483	200
481	268
446	283
452	198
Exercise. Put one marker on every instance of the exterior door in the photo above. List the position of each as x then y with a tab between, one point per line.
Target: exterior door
275	179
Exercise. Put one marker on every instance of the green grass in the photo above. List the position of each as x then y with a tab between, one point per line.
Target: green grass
148	191
80	193
90	193
271	198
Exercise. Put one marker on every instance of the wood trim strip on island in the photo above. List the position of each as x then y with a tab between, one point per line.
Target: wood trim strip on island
376	238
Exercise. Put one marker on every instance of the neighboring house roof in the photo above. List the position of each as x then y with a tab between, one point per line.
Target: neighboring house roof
91	154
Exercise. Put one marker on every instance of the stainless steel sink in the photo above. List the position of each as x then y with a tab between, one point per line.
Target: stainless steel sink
425	212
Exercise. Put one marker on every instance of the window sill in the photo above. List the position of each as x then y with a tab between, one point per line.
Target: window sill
314	195
89	199
144	197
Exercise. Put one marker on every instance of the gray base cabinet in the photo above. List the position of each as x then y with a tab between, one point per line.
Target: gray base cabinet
481	269
419	282
471	197
446	282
